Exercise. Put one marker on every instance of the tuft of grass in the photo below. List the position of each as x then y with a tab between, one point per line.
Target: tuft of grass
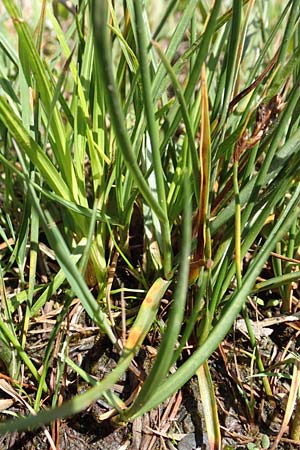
149	186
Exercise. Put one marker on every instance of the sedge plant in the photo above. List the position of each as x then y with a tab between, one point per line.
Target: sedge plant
112	140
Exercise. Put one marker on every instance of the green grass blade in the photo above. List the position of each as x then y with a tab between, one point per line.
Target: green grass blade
28	145
104	61
166	351
33	61
188	369
79	403
154	135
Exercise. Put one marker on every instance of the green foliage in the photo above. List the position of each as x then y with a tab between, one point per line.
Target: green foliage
100	112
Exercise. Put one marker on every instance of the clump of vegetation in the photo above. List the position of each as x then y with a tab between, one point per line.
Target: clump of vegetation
149	197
